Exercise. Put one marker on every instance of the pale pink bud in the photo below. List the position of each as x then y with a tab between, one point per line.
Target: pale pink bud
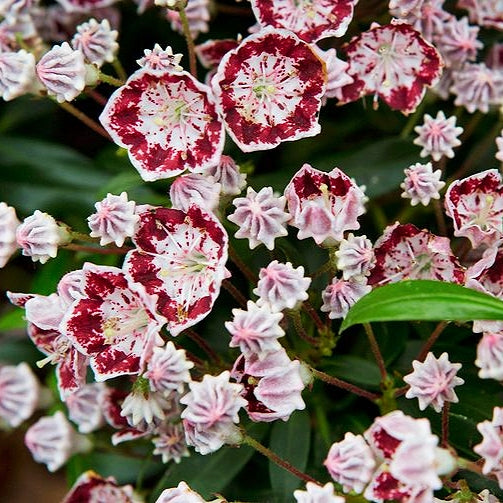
17	74
70	286
490	356
170	444
227	173
433	381
340	296
97	41
19	393
317	494
194	188
256	330
281	286
159	59
84	407
355	257
207	440
52	441
115	219
8	225
39	237
63	72
491	447
351	463
145	409
180	494
499	145
421	184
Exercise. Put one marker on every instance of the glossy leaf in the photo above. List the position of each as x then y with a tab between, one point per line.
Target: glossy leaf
423	300
291	441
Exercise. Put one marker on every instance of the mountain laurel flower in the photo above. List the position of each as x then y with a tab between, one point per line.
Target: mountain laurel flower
85	407
261	217
311	21
256	330
490	356
475	205
227	174
180	260
499	146
406	252
180	494
144	409
269	90
97	41
8	225
317	494
115	219
19	393
324	205
62	72
170	443
486	276
438	136
355	257
167	121
351	463
491	447
160	60
168	369
92	487
52	440
392	62
17	74
194	188
280	286
421	184
477	87
272	385
433	381
39	237
486	13
340	295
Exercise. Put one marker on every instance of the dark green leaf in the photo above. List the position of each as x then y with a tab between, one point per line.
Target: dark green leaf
354	369
12	319
291	441
423	300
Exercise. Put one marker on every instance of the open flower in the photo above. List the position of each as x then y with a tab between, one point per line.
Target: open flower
167	121
181	259
269	90
392	62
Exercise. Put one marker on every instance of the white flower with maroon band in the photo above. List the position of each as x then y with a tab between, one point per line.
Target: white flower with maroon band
168	369
475	204
317	494
19	393
421	184
256	330
433	381
269	90
392	62
39	237
115	219
310	20
114	325
52	440
351	463
261	217
160	60
280	286
84	407
406	252
167	121
272	385
97	41
91	487
324	205
181	259
211	412
8	225
194	188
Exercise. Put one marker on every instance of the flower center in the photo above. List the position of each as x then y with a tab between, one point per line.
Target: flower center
124	324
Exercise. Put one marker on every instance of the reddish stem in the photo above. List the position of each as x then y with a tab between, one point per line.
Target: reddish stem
240	298
94	249
375	349
309	309
203	344
431	340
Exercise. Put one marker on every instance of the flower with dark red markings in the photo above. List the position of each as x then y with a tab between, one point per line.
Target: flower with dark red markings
180	259
310	20
392	62
168	123
114	323
269	90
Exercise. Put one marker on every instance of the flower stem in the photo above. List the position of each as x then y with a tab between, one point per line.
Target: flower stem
81	116
240	298
108	79
119	69
445	425
297	323
190	42
375	349
277	460
309	309
352	388
247	272
431	340
203	344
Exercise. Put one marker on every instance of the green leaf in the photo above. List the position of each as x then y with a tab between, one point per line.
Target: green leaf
354	369
291	441
211	473
423	300
12	319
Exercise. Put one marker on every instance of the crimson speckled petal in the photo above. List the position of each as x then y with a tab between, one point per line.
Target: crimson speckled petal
168	123
269	90
112	324
392	62
181	259
310	20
